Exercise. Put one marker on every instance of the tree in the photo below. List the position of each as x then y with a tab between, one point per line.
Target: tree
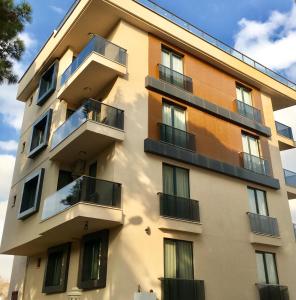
13	18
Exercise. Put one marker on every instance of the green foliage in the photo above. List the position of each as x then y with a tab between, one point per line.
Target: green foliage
13	18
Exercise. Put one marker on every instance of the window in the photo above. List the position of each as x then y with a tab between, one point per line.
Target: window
266	268
176	181
47	83
257	201
172	60
65	177
251	145
93	260
13	201
31	195
56	271
14	295
40	134
244	95
178	259
174	116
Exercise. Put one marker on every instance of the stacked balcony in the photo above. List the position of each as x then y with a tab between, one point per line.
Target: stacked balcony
285	136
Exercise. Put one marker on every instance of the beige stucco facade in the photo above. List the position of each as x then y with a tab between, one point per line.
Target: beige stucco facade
223	244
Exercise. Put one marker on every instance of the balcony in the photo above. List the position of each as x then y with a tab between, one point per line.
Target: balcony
177	289
81	78
91	128
285	136
263	225
177	137
254	163
86	204
273	292
248	111
175	78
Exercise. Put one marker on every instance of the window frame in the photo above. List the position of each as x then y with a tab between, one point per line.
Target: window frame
247	89
41	99
258	141
174	105
172	52
103	237
62	287
30	211
48	116
256	199
265	266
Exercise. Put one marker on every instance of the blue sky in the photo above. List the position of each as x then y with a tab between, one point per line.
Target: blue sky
263	29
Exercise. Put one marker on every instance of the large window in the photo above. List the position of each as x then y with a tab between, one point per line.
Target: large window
176	181
257	202
244	95
251	145
178	259
93	261
266	268
56	272
40	134
171	60
174	116
31	194
47	83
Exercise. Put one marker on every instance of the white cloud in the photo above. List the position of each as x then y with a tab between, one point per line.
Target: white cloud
10	145
271	42
57	9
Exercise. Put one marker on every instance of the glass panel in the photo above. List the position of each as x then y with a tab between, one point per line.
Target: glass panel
170	259
182	183
185	262
254	146
29	194
177	63
271	268
245	143
165	58
167	114
247	97
168	180
239	94
54	268
262	205
252	201
260	268
179	118
91	260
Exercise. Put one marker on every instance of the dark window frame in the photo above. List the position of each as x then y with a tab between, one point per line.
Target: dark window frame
177	254
247	89
29	211
103	237
173	105
256	198
42	98
172	52
265	265
48	116
62	287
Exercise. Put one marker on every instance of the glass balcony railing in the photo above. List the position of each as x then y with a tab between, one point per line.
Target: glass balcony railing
179	207
273	292
255	163
264	224
98	45
284	130
177	137
175	78
215	42
179	289
90	110
248	111
84	189
290	178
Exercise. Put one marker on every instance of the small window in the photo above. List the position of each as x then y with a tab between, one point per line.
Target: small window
40	134
13	201
178	259
258	202
172	60
23	147
14	295
266	268
47	84
31	195
93	261
243	94
56	272
65	177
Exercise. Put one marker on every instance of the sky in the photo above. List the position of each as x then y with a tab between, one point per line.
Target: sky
263	29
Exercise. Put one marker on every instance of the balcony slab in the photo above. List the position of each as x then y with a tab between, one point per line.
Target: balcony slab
170	224
261	239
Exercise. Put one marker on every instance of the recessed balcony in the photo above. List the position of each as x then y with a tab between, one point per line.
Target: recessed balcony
273	292
255	164
285	136
86	204
248	111
93	127
81	78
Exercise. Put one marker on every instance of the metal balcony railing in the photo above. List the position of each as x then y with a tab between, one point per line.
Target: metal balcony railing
182	289
290	178
101	46
177	136
248	111
175	78
273	292
263	224
215	42
179	207
90	110
84	189
255	163
284	130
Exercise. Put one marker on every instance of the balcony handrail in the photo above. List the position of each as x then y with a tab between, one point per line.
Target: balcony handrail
268	217
288	174
261	224
165	67
161	193
263	162
175	128
84	119
85	53
214	41
255	112
248	105
285	127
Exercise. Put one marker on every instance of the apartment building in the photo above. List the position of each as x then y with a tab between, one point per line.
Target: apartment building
149	165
